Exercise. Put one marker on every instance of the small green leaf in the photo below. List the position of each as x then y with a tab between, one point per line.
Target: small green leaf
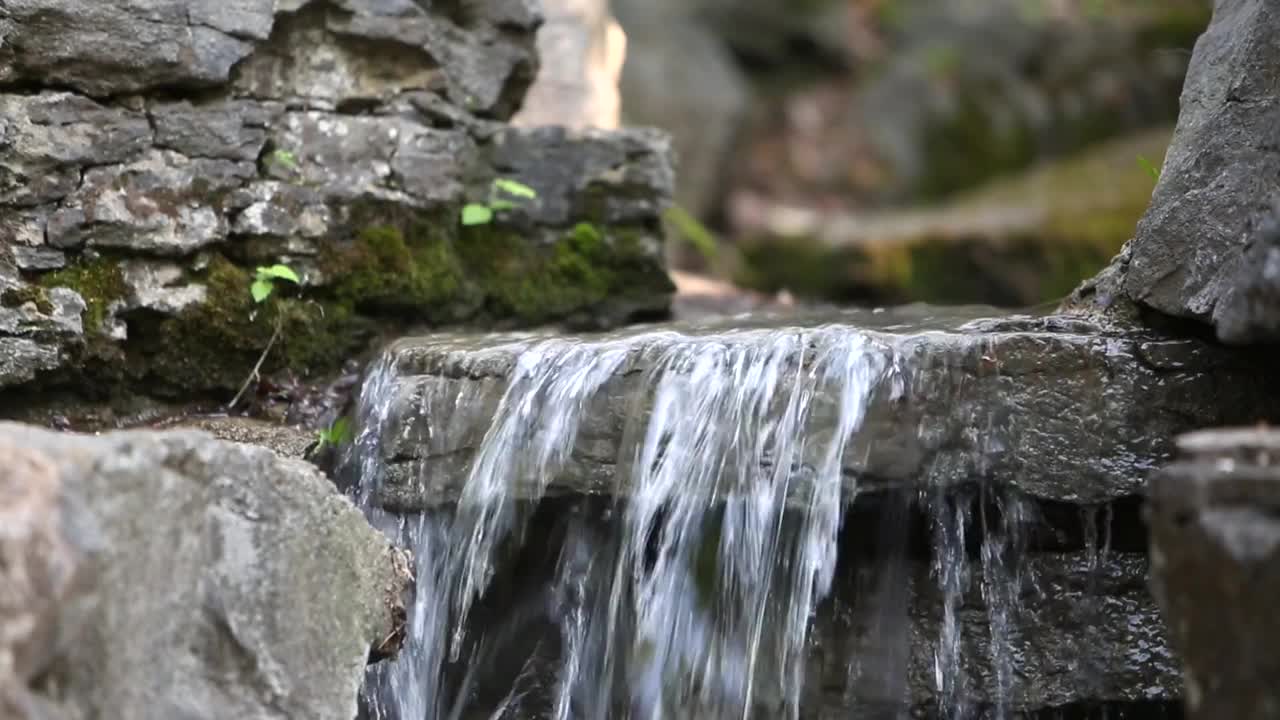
515	188
336	434
498	205
1152	169
286	158
260	289
474	214
278	272
695	232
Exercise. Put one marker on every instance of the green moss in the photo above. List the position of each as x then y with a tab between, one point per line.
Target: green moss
15	297
585	267
390	268
99	282
213	346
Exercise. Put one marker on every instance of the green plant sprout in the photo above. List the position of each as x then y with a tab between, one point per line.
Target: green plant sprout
285	158
693	231
336	434
482	213
264	280
1149	167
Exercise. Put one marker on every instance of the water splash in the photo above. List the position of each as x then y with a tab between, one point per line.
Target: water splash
691	592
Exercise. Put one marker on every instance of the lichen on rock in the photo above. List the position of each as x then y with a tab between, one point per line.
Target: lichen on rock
149	174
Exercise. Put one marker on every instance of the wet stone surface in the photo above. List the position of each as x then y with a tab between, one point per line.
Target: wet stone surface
1055	408
1215	548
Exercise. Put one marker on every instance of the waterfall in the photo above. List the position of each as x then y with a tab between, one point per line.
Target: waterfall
687	586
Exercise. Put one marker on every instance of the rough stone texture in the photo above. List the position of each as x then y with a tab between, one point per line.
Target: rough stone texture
163	575
1190	257
1068	410
1215	549
1084	629
156	153
1249	310
582	49
1081	624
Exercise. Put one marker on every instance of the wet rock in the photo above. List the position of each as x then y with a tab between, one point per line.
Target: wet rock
1057	408
169	574
1249	310
1189	257
1077	628
1215	549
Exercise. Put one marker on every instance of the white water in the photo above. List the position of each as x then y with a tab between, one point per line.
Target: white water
694	597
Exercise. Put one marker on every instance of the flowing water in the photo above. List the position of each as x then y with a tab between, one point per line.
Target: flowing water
693	593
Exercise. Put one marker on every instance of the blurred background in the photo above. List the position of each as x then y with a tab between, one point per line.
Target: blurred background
885	151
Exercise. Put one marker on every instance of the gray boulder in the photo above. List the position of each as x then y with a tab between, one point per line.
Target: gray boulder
1196	254
164	575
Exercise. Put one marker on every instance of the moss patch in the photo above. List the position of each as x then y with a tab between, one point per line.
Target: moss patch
436	272
16	297
99	282
407	267
214	345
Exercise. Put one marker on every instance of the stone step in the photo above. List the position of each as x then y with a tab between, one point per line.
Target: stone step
1058	408
1069	627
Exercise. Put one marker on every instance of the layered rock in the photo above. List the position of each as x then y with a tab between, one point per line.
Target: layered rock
1056	408
1215	546
168	574
157	154
1203	250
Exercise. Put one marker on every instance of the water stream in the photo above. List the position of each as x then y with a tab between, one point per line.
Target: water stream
689	589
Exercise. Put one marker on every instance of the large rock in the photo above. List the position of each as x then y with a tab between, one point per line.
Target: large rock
163	575
1056	408
145	174
1249	310
1215	548
485	59
1190	257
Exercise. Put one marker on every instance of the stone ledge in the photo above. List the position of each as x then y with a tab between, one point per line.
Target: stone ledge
1053	407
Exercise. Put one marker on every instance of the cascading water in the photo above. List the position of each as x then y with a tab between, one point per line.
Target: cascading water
689	587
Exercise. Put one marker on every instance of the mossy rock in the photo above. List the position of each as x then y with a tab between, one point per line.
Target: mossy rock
214	345
432	270
99	282
1018	242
